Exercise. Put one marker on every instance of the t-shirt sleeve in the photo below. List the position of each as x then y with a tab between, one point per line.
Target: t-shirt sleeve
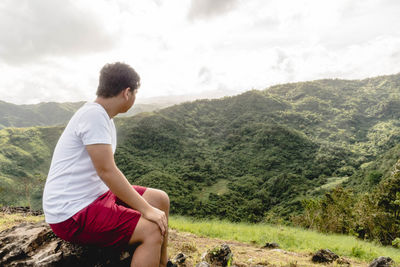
94	128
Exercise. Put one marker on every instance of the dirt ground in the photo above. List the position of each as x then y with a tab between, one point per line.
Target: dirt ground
243	254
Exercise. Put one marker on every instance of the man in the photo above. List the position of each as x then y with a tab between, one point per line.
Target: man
87	199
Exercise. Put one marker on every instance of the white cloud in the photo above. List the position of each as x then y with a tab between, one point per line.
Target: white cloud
237	45
204	75
209	8
33	29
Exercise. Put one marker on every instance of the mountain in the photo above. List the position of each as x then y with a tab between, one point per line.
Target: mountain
252	157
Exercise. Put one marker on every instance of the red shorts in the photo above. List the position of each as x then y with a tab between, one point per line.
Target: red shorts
107	222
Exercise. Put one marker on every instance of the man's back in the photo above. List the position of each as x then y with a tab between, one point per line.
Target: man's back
73	183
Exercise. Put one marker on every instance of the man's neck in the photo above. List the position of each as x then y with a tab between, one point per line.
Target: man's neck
109	104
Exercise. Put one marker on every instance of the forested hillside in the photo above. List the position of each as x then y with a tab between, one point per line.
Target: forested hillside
259	154
253	157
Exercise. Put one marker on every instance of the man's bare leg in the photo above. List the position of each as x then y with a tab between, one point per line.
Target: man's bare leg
160	200
147	234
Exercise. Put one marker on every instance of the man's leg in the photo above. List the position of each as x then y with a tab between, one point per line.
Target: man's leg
147	234
160	200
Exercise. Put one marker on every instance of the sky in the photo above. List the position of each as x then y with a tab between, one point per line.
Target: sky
53	50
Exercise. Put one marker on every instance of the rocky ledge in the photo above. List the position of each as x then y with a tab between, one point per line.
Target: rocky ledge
34	244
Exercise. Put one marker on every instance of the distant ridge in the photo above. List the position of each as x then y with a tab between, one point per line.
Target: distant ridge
42	114
55	113
52	113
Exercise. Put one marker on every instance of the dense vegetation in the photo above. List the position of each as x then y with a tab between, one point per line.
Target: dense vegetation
374	216
267	150
258	156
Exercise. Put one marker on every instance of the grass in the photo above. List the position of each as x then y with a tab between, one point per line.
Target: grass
9	220
334	181
289	238
220	188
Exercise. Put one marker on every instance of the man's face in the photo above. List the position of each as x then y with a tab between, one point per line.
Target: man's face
131	98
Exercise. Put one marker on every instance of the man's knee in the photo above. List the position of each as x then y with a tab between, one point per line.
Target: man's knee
146	232
164	199
157	198
154	234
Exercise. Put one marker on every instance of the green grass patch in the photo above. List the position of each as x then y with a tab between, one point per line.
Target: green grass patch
219	188
10	220
334	181
289	238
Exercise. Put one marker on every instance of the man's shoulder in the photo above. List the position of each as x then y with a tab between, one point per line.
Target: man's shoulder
90	107
90	111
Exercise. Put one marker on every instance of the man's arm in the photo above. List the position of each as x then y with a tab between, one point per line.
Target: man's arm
103	161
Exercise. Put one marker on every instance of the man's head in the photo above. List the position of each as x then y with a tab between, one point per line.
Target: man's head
116	77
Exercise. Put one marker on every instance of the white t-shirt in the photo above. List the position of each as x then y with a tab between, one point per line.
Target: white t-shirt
72	182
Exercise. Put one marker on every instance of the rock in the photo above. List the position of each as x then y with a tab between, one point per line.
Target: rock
170	264
34	244
343	262
271	245
219	256
202	264
180	258
324	255
382	262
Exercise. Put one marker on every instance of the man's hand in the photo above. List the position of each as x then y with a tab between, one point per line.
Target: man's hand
157	216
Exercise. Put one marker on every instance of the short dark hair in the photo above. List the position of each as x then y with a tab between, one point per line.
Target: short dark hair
115	77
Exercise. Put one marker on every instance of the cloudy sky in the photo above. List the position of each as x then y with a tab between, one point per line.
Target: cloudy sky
53	50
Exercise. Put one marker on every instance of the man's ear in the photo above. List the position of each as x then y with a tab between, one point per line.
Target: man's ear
125	93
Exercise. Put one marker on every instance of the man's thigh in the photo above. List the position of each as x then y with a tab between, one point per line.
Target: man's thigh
105	223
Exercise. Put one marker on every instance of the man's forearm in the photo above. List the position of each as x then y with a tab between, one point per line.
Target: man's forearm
119	185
